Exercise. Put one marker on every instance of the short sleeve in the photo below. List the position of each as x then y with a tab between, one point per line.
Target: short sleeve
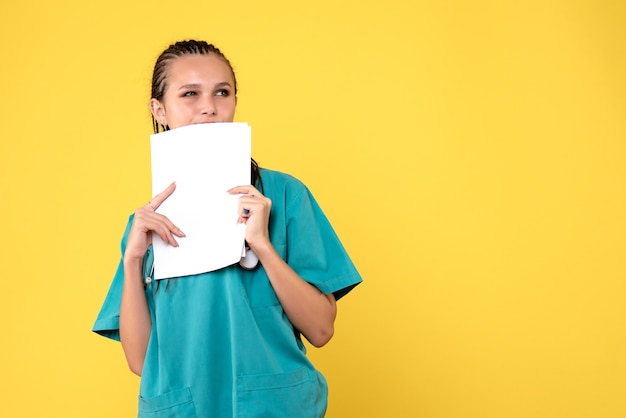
108	321
314	250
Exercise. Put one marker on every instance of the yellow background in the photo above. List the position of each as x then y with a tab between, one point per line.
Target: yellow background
471	155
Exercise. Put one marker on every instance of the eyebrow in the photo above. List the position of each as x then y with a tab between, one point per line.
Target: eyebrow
197	86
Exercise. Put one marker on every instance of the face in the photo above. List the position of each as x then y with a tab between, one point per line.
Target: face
199	89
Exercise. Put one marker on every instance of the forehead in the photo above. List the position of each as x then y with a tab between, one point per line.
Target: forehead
197	68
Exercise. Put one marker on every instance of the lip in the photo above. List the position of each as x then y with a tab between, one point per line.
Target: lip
209	121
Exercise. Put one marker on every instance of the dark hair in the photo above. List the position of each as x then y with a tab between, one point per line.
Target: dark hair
159	83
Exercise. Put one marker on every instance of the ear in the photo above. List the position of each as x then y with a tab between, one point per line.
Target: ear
158	111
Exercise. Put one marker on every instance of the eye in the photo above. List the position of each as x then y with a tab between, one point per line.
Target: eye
190	93
222	92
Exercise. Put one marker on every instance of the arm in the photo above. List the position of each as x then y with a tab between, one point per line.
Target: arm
135	322
309	310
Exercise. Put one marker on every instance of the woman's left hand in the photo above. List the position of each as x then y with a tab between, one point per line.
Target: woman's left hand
254	211
309	310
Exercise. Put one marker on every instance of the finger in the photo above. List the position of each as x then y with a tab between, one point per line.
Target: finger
166	236
159	224
170	227
251	190
160	198
167	232
247	205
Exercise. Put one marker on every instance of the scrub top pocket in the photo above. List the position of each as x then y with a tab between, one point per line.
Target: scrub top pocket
298	394
174	404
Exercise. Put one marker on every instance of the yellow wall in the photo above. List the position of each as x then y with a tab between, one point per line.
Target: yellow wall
471	155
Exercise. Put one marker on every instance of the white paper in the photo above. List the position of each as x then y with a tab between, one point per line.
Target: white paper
205	160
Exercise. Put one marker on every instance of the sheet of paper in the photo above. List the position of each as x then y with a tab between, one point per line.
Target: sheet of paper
205	160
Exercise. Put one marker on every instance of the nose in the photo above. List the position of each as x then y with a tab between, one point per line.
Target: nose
208	106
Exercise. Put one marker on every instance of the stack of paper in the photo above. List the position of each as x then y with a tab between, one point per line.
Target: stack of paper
205	160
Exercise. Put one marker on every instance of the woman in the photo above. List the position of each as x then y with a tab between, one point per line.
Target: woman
227	343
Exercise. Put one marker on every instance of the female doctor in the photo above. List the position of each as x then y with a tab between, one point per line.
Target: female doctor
227	343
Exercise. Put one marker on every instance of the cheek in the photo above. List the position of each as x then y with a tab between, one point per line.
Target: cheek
228	110
181	115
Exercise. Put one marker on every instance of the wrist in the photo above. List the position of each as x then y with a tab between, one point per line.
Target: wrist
130	261
262	249
133	270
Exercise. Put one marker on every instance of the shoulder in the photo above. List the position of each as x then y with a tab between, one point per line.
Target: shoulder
285	190
129	225
279	177
279	182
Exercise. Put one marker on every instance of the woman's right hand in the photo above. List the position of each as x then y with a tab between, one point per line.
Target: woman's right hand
135	321
147	222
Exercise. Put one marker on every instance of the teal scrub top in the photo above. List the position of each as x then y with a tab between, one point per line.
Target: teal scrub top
221	344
